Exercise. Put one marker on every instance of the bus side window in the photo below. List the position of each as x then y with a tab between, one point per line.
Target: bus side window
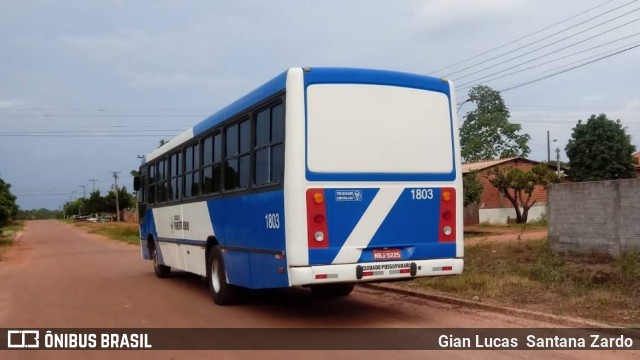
238	152
269	149
217	162
151	188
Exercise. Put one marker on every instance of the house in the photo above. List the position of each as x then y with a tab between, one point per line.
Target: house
493	207
637	165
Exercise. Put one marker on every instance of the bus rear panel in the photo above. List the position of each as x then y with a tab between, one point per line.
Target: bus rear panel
382	188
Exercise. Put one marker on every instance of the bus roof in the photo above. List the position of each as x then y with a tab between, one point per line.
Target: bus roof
314	75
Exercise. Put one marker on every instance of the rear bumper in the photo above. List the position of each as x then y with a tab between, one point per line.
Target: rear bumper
375	271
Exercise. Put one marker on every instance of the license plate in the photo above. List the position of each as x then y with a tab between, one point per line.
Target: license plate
386	254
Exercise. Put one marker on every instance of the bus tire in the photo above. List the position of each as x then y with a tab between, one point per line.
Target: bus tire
221	291
162	271
332	290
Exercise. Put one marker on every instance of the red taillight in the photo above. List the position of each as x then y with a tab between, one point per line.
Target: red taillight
447	226
447	268
317	229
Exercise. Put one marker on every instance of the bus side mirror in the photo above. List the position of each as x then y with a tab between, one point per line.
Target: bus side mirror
136	183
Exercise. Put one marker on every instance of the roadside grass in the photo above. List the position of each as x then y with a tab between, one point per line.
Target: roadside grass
8	233
527	274
539	224
126	232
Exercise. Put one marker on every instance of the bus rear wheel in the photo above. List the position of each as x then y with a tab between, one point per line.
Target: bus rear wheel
332	290
222	292
162	271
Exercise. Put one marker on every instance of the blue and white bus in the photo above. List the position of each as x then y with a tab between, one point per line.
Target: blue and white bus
321	177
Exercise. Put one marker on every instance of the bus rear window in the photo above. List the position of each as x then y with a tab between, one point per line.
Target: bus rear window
354	128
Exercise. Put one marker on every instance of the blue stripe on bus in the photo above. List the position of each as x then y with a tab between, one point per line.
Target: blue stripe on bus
320	75
148	228
268	89
412	226
342	217
240	221
377	77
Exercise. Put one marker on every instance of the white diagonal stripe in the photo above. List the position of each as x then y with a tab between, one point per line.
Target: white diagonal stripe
368	225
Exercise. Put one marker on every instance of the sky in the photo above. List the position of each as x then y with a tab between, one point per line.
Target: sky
88	86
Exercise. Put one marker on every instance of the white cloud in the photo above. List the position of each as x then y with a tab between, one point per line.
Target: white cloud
453	13
102	48
9	104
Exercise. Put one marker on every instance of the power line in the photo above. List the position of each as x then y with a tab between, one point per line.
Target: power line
86	131
552	35
489	77
566	70
521	38
47	194
86	136
557	41
103	116
167	127
102	110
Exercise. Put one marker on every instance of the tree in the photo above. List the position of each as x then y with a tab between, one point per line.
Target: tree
38	214
125	200
486	133
95	203
472	188
600	150
162	142
518	185
8	207
75	207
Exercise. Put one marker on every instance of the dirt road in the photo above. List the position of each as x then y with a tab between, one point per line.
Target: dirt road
57	276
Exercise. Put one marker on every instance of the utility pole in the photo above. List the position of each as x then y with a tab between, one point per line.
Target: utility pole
94	184
558	160
115	181
84	191
548	149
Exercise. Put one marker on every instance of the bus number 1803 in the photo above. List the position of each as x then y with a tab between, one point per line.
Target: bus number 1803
422	194
272	220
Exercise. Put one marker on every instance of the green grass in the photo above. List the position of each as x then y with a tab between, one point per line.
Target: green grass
528	274
8	232
539	224
125	232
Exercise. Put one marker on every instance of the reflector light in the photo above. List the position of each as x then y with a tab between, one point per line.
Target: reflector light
405	271
447	268
367	273
321	276
447	224
317	227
